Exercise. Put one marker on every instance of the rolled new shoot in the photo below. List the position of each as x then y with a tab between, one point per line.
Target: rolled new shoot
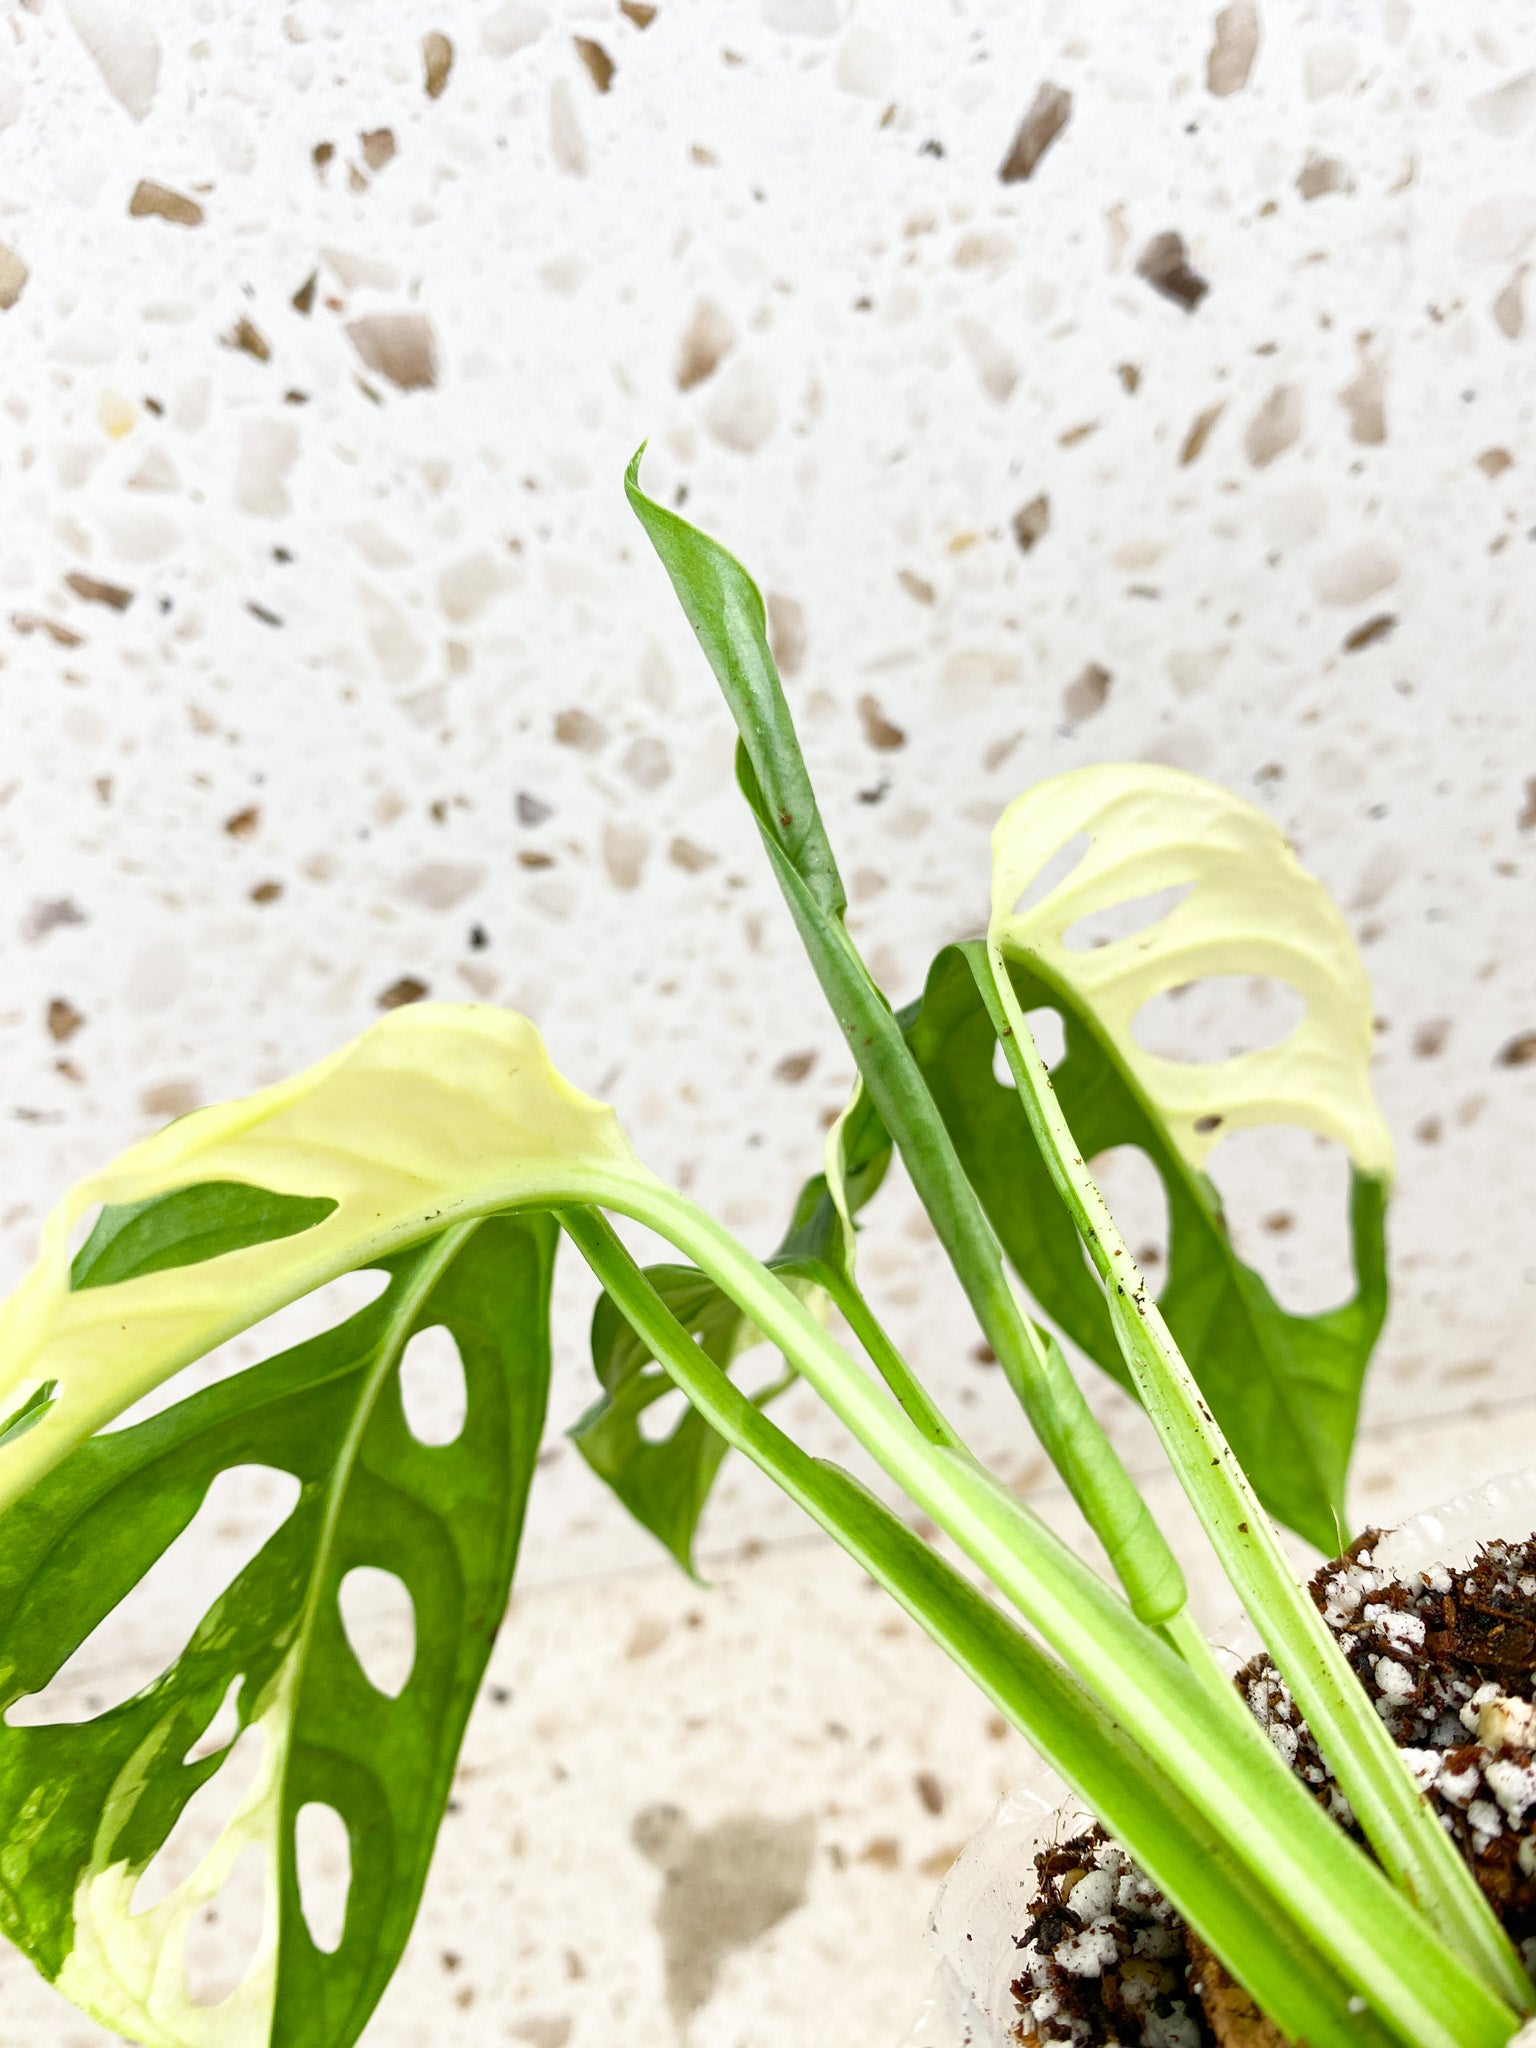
726	612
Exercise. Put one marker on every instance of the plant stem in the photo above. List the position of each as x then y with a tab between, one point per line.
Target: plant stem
1365	1760
1058	1410
726	611
1228	1770
915	1400
1252	1929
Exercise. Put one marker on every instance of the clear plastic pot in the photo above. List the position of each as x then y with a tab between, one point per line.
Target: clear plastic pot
980	1909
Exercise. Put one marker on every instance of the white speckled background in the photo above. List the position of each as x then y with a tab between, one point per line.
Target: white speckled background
397	693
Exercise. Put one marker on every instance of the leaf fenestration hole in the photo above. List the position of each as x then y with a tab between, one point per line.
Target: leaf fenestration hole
200	1823
328	1307
758	1369
1050	1036
433	1390
222	1729
128	1649
1286	1196
1124	920
322	1853
1138	1201
1053	872
379	1617
1217	1018
657	1422
224	1935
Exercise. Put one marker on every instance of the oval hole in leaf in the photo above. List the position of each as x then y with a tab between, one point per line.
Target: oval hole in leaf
379	1617
322	1852
334	1303
223	1935
222	1729
433	1391
657	1422
243	1509
1050	1036
1118	921
1286	1196
200	1823
1138	1201
1054	872
758	1369
1204	1022
188	1226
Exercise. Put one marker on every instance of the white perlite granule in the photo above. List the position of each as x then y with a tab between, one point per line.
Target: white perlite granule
1513	1785
1394	1681
1087	1954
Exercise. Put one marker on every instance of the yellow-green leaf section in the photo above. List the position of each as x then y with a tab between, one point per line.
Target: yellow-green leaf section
438	1113
126	1968
1251	909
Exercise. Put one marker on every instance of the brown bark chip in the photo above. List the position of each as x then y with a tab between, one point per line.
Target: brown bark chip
1448	1660
1234	2020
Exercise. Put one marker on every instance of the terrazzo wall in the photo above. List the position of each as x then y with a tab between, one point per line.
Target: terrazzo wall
1082	382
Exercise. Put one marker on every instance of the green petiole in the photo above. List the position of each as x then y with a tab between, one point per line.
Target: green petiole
724	608
1370	1769
1249	1926
1225	1766
726	613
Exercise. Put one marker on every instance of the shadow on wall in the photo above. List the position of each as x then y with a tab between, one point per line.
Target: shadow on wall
722	1889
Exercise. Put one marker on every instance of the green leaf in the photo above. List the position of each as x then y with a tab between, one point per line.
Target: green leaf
438	1117
440	1113
1284	1388
187	1226
30	1413
1251	1921
723	606
665	1485
84	1807
1247	904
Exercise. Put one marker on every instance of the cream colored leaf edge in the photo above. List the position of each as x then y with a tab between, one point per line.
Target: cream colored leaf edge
1251	908
127	1970
439	1113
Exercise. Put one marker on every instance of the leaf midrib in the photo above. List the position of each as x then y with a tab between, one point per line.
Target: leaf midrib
392	1340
